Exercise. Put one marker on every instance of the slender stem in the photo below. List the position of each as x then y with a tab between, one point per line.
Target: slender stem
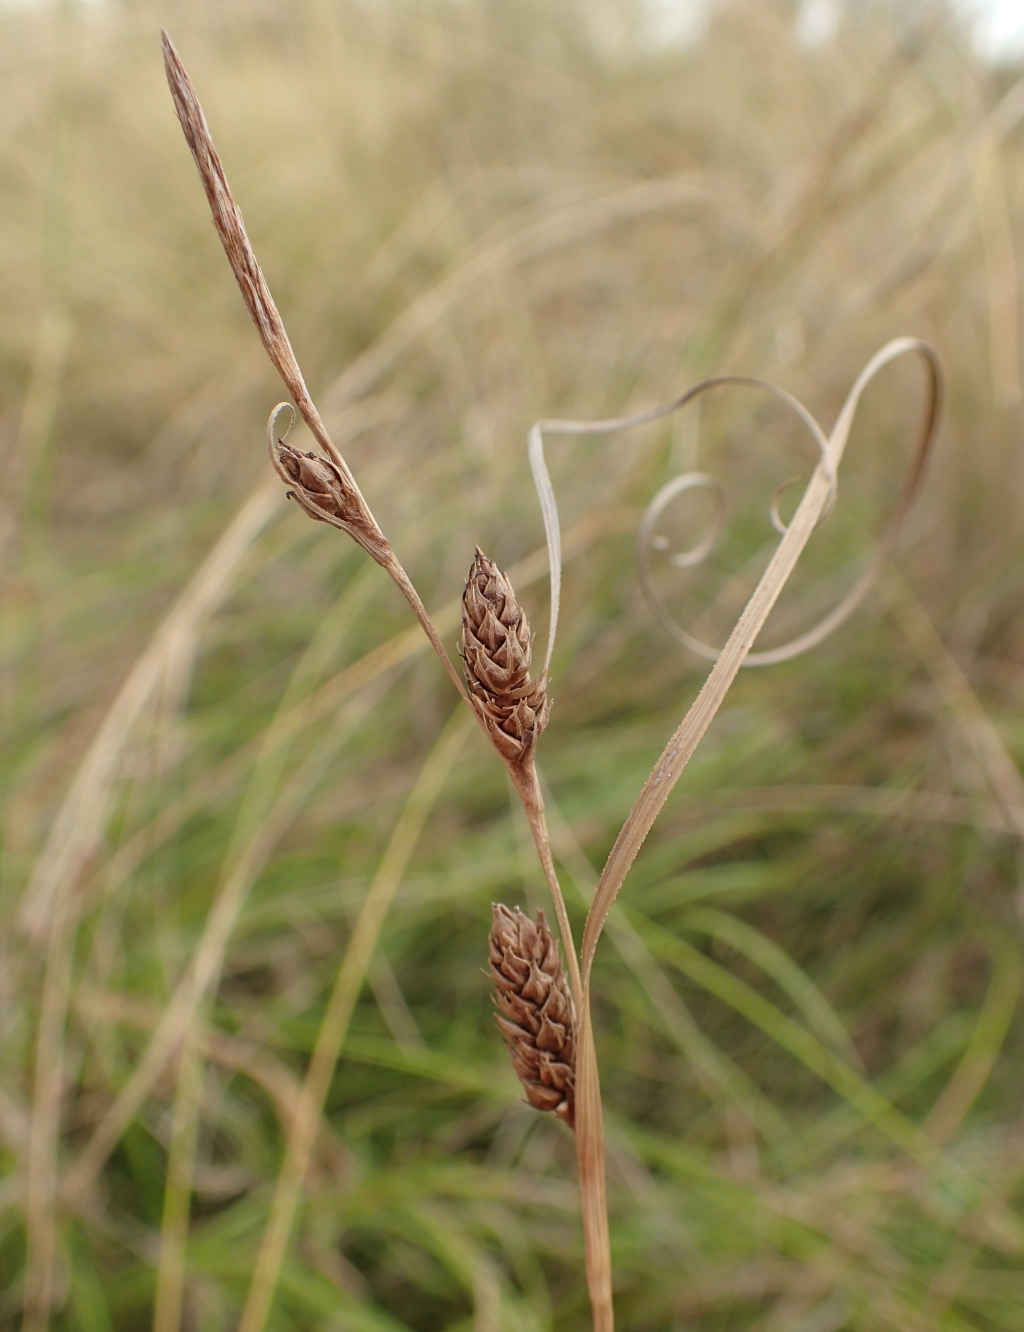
589	1115
363	527
171	1264
528	787
590	1162
404	584
41	1210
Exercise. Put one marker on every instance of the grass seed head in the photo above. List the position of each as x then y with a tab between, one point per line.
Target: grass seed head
496	648
318	486
535	1011
325	491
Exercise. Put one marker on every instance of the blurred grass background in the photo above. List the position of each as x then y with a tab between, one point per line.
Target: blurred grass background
474	214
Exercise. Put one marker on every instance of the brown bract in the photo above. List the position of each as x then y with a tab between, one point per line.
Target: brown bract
535	1011
321	489
496	649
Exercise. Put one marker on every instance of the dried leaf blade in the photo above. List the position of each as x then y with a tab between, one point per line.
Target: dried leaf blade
680	748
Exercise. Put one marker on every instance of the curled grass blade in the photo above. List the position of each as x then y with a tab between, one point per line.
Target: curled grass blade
818	495
677	752
549	505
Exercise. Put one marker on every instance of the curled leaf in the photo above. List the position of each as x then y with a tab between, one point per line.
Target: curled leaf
818	497
546	492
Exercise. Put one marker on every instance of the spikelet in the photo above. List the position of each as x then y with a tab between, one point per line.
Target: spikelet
535	1011
496	649
318	486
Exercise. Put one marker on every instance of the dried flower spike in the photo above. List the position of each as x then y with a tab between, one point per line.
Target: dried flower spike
230	228
324	487
535	1011
496	649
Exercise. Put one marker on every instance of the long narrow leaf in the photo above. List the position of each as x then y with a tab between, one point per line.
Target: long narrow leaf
678	751
818	497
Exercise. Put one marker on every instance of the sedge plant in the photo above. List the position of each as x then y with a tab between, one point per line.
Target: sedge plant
545	1018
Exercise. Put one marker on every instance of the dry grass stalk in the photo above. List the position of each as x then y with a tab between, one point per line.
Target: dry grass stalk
1001	272
326	490
535	1011
48	915
513	710
227	218
324	487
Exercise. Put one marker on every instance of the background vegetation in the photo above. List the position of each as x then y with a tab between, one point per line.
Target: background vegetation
473	215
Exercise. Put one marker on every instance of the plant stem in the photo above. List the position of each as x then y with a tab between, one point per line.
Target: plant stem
404	584
589	1115
590	1160
528	787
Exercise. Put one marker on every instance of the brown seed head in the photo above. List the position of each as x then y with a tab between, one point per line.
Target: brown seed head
535	1011
322	490
496	648
318	484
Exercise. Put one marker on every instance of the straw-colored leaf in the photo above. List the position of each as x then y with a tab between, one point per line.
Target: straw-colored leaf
818	496
677	752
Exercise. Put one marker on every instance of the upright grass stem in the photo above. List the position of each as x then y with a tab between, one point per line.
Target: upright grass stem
356	518
511	709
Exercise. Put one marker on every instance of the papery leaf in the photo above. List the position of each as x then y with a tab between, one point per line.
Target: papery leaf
678	751
818	497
